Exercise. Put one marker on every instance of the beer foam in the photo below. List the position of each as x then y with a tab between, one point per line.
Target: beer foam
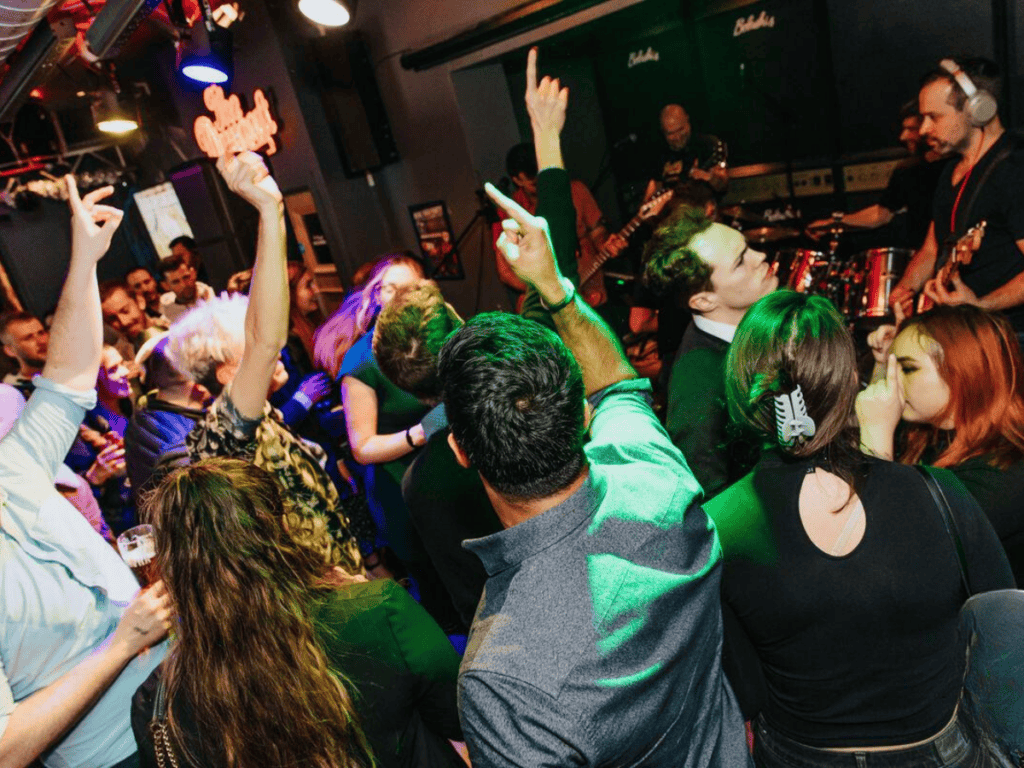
142	553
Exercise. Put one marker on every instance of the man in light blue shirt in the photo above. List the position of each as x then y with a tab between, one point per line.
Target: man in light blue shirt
72	629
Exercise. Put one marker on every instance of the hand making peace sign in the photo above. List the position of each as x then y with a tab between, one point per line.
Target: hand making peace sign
92	225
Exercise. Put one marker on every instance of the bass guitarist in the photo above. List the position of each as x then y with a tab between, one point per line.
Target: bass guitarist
959	115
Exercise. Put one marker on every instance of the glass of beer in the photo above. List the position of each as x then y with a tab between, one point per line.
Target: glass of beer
138	549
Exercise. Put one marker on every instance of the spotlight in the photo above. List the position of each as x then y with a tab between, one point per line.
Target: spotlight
328	13
206	56
110	116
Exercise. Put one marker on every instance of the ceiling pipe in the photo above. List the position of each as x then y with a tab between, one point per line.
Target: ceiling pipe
17	19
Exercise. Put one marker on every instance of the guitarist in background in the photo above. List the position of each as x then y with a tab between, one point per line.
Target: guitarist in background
591	232
696	156
959	115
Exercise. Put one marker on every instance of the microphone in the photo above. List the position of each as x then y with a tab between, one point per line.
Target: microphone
629	138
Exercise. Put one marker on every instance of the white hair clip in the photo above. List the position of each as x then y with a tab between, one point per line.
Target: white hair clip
791	419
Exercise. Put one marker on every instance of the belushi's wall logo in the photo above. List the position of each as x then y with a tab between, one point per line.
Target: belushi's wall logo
642	57
752	23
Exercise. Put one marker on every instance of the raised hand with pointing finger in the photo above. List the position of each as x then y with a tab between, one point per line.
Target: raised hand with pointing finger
525	243
546	103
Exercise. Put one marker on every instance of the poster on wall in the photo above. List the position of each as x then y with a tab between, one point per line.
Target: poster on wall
437	241
163	216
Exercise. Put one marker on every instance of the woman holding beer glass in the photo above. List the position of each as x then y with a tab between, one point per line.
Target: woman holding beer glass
266	632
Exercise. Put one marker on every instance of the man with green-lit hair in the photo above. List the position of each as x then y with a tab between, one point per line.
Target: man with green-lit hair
597	640
709	268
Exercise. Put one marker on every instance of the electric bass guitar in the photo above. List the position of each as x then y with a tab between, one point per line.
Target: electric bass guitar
960	255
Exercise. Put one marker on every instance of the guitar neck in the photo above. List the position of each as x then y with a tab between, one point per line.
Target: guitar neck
603	255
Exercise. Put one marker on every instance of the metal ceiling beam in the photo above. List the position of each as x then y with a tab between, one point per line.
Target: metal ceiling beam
502	26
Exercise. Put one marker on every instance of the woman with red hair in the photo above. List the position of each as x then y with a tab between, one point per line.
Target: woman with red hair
961	398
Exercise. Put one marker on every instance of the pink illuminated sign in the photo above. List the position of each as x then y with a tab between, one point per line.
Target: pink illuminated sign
231	130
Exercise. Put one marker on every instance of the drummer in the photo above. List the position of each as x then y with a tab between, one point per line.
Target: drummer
910	190
709	268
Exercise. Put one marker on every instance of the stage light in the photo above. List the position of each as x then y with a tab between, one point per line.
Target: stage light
328	13
206	55
110	116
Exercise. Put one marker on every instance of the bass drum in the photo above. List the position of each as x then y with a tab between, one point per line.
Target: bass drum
875	275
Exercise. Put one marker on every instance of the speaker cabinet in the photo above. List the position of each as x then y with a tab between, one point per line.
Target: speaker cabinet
351	99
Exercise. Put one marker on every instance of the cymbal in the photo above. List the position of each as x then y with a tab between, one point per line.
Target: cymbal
837	227
769	234
739	213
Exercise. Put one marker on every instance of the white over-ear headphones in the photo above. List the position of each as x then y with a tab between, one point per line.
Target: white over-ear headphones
981	105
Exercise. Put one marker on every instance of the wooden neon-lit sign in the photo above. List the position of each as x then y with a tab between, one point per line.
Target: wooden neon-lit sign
231	129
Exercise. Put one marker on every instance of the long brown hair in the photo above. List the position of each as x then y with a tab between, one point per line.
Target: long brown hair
788	340
246	658
299	323
977	354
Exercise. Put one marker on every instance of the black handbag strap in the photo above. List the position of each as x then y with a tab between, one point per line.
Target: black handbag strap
162	749
939	496
160	700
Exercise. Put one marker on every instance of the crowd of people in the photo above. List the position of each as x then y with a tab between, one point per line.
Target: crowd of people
397	537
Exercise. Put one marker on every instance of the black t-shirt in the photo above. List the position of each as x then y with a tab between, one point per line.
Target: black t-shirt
1000	203
672	318
857	650
912	187
448	504
675	165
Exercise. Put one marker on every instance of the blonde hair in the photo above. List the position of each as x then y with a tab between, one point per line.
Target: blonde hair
210	334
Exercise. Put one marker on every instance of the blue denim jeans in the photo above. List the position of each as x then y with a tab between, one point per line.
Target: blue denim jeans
954	747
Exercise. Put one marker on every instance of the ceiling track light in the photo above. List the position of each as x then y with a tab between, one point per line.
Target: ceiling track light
110	116
205	55
328	13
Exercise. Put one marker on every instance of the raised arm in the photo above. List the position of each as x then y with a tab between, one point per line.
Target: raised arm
546	103
76	337
266	320
526	244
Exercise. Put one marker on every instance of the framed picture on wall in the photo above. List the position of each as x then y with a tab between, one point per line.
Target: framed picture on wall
437	241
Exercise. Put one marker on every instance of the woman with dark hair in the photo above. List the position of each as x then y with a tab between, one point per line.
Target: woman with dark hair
839	571
278	661
961	398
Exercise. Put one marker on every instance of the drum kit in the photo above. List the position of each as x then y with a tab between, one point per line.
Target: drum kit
858	284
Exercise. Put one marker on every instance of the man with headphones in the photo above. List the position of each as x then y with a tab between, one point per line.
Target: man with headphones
960	116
